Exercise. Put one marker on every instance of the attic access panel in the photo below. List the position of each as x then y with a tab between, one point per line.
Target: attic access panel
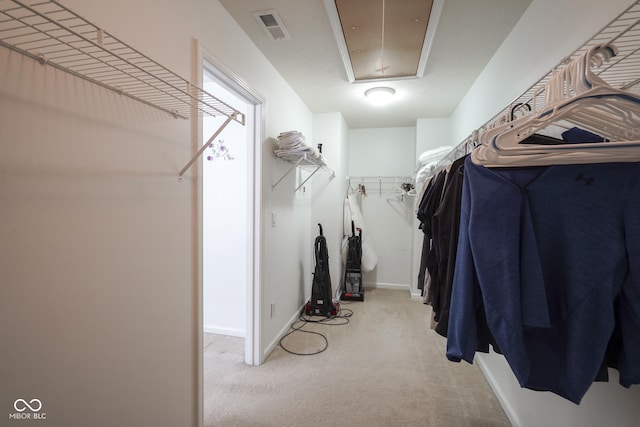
385	38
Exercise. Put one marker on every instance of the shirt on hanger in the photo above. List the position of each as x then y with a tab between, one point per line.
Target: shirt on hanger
547	250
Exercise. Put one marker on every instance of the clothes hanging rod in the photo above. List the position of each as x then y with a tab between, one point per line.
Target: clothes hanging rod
54	35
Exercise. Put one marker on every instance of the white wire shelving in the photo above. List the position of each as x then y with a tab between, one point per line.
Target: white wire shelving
303	161
622	72
54	35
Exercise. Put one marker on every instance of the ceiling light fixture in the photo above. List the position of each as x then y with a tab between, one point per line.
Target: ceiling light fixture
379	95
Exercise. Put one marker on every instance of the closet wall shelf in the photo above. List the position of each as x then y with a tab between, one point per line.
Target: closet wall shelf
382	184
54	35
304	161
622	71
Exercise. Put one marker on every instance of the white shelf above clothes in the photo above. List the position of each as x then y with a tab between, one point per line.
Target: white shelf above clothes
54	35
621	71
305	161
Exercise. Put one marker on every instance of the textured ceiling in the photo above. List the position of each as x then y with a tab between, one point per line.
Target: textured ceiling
467	35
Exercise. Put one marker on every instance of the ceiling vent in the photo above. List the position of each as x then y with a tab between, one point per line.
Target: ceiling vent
272	24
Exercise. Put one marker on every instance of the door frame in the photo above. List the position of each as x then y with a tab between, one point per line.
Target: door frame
256	128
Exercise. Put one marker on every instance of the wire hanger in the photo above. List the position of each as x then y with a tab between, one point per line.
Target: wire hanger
575	97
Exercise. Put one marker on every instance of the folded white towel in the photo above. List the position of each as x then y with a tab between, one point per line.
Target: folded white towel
292	147
291	139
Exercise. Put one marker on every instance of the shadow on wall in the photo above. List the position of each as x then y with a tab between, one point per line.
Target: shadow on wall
402	206
370	278
302	286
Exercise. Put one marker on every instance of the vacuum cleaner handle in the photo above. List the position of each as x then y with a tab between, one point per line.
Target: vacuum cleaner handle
320	226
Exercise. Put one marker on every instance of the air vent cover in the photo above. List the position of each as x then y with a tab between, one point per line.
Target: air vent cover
271	22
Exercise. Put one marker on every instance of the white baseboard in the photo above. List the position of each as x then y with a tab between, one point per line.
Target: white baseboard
498	391
417	295
273	344
379	285
401	286
233	332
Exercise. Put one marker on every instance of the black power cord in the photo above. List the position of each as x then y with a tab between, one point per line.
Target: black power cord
324	320
320	302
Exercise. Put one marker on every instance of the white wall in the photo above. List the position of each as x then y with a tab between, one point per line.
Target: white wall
548	31
96	302
98	307
433	133
331	130
382	151
385	152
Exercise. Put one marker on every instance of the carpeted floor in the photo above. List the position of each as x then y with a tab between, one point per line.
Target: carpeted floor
384	368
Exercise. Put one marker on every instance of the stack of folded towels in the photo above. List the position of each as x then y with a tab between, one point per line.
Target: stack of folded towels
292	147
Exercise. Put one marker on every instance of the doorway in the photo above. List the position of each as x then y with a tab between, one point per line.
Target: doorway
230	215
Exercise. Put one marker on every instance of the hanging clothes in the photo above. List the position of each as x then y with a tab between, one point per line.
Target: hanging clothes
440	215
426	209
549	251
445	224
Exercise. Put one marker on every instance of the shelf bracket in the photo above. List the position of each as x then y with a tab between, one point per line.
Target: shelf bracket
295	165
308	178
304	160
204	147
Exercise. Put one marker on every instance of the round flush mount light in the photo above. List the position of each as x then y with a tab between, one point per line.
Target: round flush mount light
379	95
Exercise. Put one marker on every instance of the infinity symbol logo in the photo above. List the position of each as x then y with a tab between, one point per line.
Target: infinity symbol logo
21	405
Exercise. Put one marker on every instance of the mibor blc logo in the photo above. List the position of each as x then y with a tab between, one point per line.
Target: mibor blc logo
28	410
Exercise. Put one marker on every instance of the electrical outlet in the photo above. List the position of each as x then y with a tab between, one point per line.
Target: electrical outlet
273	219
273	309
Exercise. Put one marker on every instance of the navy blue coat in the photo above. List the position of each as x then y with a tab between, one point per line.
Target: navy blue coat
547	250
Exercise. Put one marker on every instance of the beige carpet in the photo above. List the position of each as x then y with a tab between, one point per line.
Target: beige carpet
384	368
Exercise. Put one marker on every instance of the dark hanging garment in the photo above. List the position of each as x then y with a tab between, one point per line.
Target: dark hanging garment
428	205
547	251
427	208
445	225
430	202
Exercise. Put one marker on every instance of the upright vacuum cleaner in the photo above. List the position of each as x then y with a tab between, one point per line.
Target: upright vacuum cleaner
352	287
321	302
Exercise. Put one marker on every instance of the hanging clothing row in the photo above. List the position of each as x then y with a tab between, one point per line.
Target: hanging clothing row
532	242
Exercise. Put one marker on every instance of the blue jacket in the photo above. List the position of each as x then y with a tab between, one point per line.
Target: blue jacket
547	250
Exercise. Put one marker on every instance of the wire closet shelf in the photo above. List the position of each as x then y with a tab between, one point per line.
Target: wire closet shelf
622	71
54	35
